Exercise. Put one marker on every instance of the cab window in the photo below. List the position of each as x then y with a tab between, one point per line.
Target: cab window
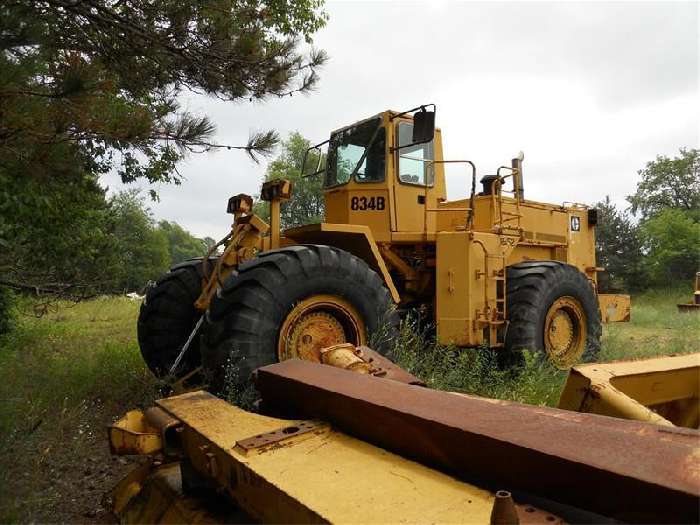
347	147
412	166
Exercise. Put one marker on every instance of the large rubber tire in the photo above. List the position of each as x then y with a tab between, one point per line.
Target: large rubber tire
533	288
168	316
243	323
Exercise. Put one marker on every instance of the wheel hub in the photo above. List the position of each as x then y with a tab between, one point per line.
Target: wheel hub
316	323
564	332
561	331
313	332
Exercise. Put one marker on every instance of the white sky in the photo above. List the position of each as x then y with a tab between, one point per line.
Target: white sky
590	92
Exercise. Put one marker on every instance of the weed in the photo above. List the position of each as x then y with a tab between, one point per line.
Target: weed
474	371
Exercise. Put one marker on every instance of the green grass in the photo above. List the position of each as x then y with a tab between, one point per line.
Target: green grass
63	378
77	354
66	375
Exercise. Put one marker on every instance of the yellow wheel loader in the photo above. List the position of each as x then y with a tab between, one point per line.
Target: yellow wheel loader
492	269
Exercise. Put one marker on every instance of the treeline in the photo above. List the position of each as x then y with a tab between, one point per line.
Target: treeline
655	241
70	239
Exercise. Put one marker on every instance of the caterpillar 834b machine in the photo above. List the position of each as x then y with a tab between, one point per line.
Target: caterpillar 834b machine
493	269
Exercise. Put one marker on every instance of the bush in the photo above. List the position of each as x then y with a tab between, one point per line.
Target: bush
6	312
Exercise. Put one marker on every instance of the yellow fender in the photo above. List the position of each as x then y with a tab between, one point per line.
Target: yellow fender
354	238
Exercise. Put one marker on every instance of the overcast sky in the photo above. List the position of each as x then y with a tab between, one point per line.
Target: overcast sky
590	92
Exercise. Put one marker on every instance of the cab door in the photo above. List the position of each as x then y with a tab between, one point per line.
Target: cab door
412	179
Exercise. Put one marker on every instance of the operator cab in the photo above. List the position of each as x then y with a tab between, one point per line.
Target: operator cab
380	172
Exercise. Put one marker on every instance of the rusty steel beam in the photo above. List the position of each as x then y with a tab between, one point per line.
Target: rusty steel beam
625	470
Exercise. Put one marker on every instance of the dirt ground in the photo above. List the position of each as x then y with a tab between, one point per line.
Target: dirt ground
63	479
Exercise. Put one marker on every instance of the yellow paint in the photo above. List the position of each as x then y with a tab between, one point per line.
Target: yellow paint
316	323
564	339
451	256
664	390
325	477
133	434
614	307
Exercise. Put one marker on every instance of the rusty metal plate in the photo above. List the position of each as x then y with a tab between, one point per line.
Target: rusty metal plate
281	436
625	470
689	307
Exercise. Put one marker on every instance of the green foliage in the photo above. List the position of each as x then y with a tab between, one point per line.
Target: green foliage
92	86
672	240
142	248
474	371
669	183
306	205
65	238
618	249
182	245
53	232
6	313
664	246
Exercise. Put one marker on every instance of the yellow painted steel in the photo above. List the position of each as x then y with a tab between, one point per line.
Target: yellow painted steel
614	307
664	390
153	494
564	332
134	434
324	476
316	323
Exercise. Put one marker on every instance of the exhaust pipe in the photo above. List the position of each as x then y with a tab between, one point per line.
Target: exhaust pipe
517	165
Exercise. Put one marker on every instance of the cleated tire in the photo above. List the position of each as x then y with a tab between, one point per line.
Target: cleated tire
168	316
538	289
245	319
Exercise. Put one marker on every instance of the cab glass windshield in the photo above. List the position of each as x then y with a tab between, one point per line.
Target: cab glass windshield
347	148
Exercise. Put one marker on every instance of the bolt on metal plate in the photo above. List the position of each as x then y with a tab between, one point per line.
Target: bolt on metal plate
262	442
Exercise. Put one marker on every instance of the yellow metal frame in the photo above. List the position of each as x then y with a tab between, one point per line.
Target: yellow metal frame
614	307
662	390
281	471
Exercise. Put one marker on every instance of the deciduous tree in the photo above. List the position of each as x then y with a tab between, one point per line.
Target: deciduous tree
672	242
669	183
307	204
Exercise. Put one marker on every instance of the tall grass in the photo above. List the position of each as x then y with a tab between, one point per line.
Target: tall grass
475	371
74	359
656	328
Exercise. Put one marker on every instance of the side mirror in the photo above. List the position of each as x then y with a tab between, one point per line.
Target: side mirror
423	126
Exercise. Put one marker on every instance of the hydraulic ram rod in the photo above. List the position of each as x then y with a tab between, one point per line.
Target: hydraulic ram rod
625	470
